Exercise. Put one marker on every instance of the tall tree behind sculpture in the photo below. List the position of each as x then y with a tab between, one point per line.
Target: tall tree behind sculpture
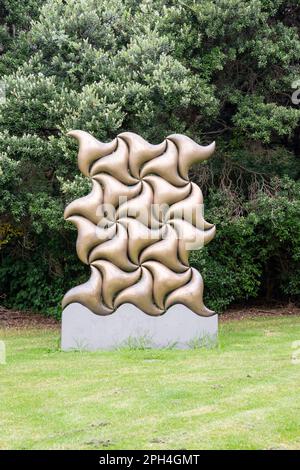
138	222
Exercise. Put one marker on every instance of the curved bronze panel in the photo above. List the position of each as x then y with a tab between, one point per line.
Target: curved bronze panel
114	280
165	281
139	221
190	152
140	151
165	165
165	251
114	250
87	206
191	295
90	149
88	294
115	164
113	189
141	295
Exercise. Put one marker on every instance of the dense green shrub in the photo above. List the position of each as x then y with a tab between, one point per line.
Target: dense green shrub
212	69
15	21
256	253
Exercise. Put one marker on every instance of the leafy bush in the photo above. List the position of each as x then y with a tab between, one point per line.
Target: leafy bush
256	253
212	70
38	281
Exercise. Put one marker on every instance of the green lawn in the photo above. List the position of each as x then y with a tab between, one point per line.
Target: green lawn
243	394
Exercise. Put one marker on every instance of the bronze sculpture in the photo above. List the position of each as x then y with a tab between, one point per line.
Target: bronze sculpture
132	228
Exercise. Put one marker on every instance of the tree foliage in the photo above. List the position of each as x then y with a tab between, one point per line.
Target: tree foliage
213	69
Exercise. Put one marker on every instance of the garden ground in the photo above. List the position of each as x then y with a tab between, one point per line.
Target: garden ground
242	394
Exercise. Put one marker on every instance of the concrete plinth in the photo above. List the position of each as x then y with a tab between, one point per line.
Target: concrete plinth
179	327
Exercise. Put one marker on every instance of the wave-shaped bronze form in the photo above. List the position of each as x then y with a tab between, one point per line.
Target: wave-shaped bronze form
139	221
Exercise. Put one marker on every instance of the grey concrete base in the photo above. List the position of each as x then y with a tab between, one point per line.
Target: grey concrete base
128	326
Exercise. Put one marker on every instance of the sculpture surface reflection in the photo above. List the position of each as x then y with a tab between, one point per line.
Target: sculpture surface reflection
139	221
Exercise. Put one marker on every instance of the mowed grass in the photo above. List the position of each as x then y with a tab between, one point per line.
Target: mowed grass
243	394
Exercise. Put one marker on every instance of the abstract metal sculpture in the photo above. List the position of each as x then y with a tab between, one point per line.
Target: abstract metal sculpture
137	224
